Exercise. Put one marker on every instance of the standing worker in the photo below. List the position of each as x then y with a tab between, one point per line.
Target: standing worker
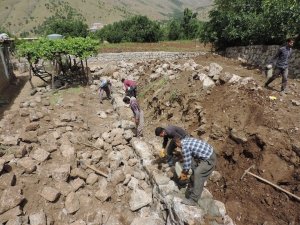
170	132
130	87
281	66
201	158
105	86
138	114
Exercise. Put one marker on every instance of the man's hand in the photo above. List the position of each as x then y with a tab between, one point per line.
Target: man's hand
162	153
183	176
137	121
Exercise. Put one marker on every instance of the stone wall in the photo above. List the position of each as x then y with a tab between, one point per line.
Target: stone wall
260	55
143	56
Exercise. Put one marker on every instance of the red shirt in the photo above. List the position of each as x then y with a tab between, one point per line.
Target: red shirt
129	83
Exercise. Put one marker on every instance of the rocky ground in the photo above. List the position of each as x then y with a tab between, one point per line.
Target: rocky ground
66	159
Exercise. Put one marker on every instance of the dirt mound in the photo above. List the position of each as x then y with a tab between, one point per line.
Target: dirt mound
245	126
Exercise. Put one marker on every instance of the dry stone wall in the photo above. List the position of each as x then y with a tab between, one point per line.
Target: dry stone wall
260	55
143	56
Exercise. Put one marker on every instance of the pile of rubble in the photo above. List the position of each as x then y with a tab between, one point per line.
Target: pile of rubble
55	169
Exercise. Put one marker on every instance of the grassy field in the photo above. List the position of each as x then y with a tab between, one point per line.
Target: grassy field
168	46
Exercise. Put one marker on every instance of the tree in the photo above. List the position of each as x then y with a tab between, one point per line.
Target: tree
244	22
134	29
66	27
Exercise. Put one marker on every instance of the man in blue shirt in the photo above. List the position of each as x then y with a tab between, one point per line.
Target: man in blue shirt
281	66
201	158
105	86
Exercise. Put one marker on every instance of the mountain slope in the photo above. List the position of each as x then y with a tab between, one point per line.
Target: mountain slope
19	16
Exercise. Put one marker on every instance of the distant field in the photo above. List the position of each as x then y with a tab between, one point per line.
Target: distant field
170	46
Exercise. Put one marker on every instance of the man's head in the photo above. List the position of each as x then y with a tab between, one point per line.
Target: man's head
159	131
122	80
290	42
126	99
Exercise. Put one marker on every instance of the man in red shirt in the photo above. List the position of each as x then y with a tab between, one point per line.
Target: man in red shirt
130	87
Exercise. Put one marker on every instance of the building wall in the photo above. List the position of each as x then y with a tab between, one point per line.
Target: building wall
260	55
4	81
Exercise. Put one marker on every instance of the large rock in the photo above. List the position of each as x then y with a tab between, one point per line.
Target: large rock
92	178
10	214
7	180
208	83
62	172
11	197
50	194
29	137
32	126
38	218
67	151
152	220
214	69
117	177
72	203
28	164
188	214
40	155
139	199
142	149
77	183
103	194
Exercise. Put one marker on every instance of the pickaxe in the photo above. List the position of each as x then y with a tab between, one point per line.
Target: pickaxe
81	163
247	171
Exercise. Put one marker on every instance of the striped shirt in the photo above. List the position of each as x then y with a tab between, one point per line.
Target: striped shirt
135	107
198	149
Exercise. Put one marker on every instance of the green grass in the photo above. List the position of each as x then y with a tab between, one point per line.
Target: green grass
170	46
57	94
153	85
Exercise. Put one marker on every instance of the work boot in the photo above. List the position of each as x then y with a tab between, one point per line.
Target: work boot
189	201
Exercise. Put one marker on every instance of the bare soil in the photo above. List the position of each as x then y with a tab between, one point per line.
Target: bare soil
270	126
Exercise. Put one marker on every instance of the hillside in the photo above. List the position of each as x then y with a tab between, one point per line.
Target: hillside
19	16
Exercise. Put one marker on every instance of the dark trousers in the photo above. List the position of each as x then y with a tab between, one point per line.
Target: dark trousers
101	92
201	171
131	92
279	71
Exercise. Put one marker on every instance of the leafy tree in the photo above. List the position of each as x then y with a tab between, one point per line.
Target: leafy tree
185	27
244	22
65	27
134	29
174	32
59	51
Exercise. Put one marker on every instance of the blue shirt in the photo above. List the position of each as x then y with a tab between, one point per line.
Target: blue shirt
198	149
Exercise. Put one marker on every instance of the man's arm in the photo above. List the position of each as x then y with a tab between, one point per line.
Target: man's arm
187	159
136	112
165	142
273	60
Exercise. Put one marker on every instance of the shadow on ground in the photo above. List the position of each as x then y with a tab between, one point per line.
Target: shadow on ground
9	94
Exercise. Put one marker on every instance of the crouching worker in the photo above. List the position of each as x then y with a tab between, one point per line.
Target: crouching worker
137	113
105	86
130	87
201	158
169	133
